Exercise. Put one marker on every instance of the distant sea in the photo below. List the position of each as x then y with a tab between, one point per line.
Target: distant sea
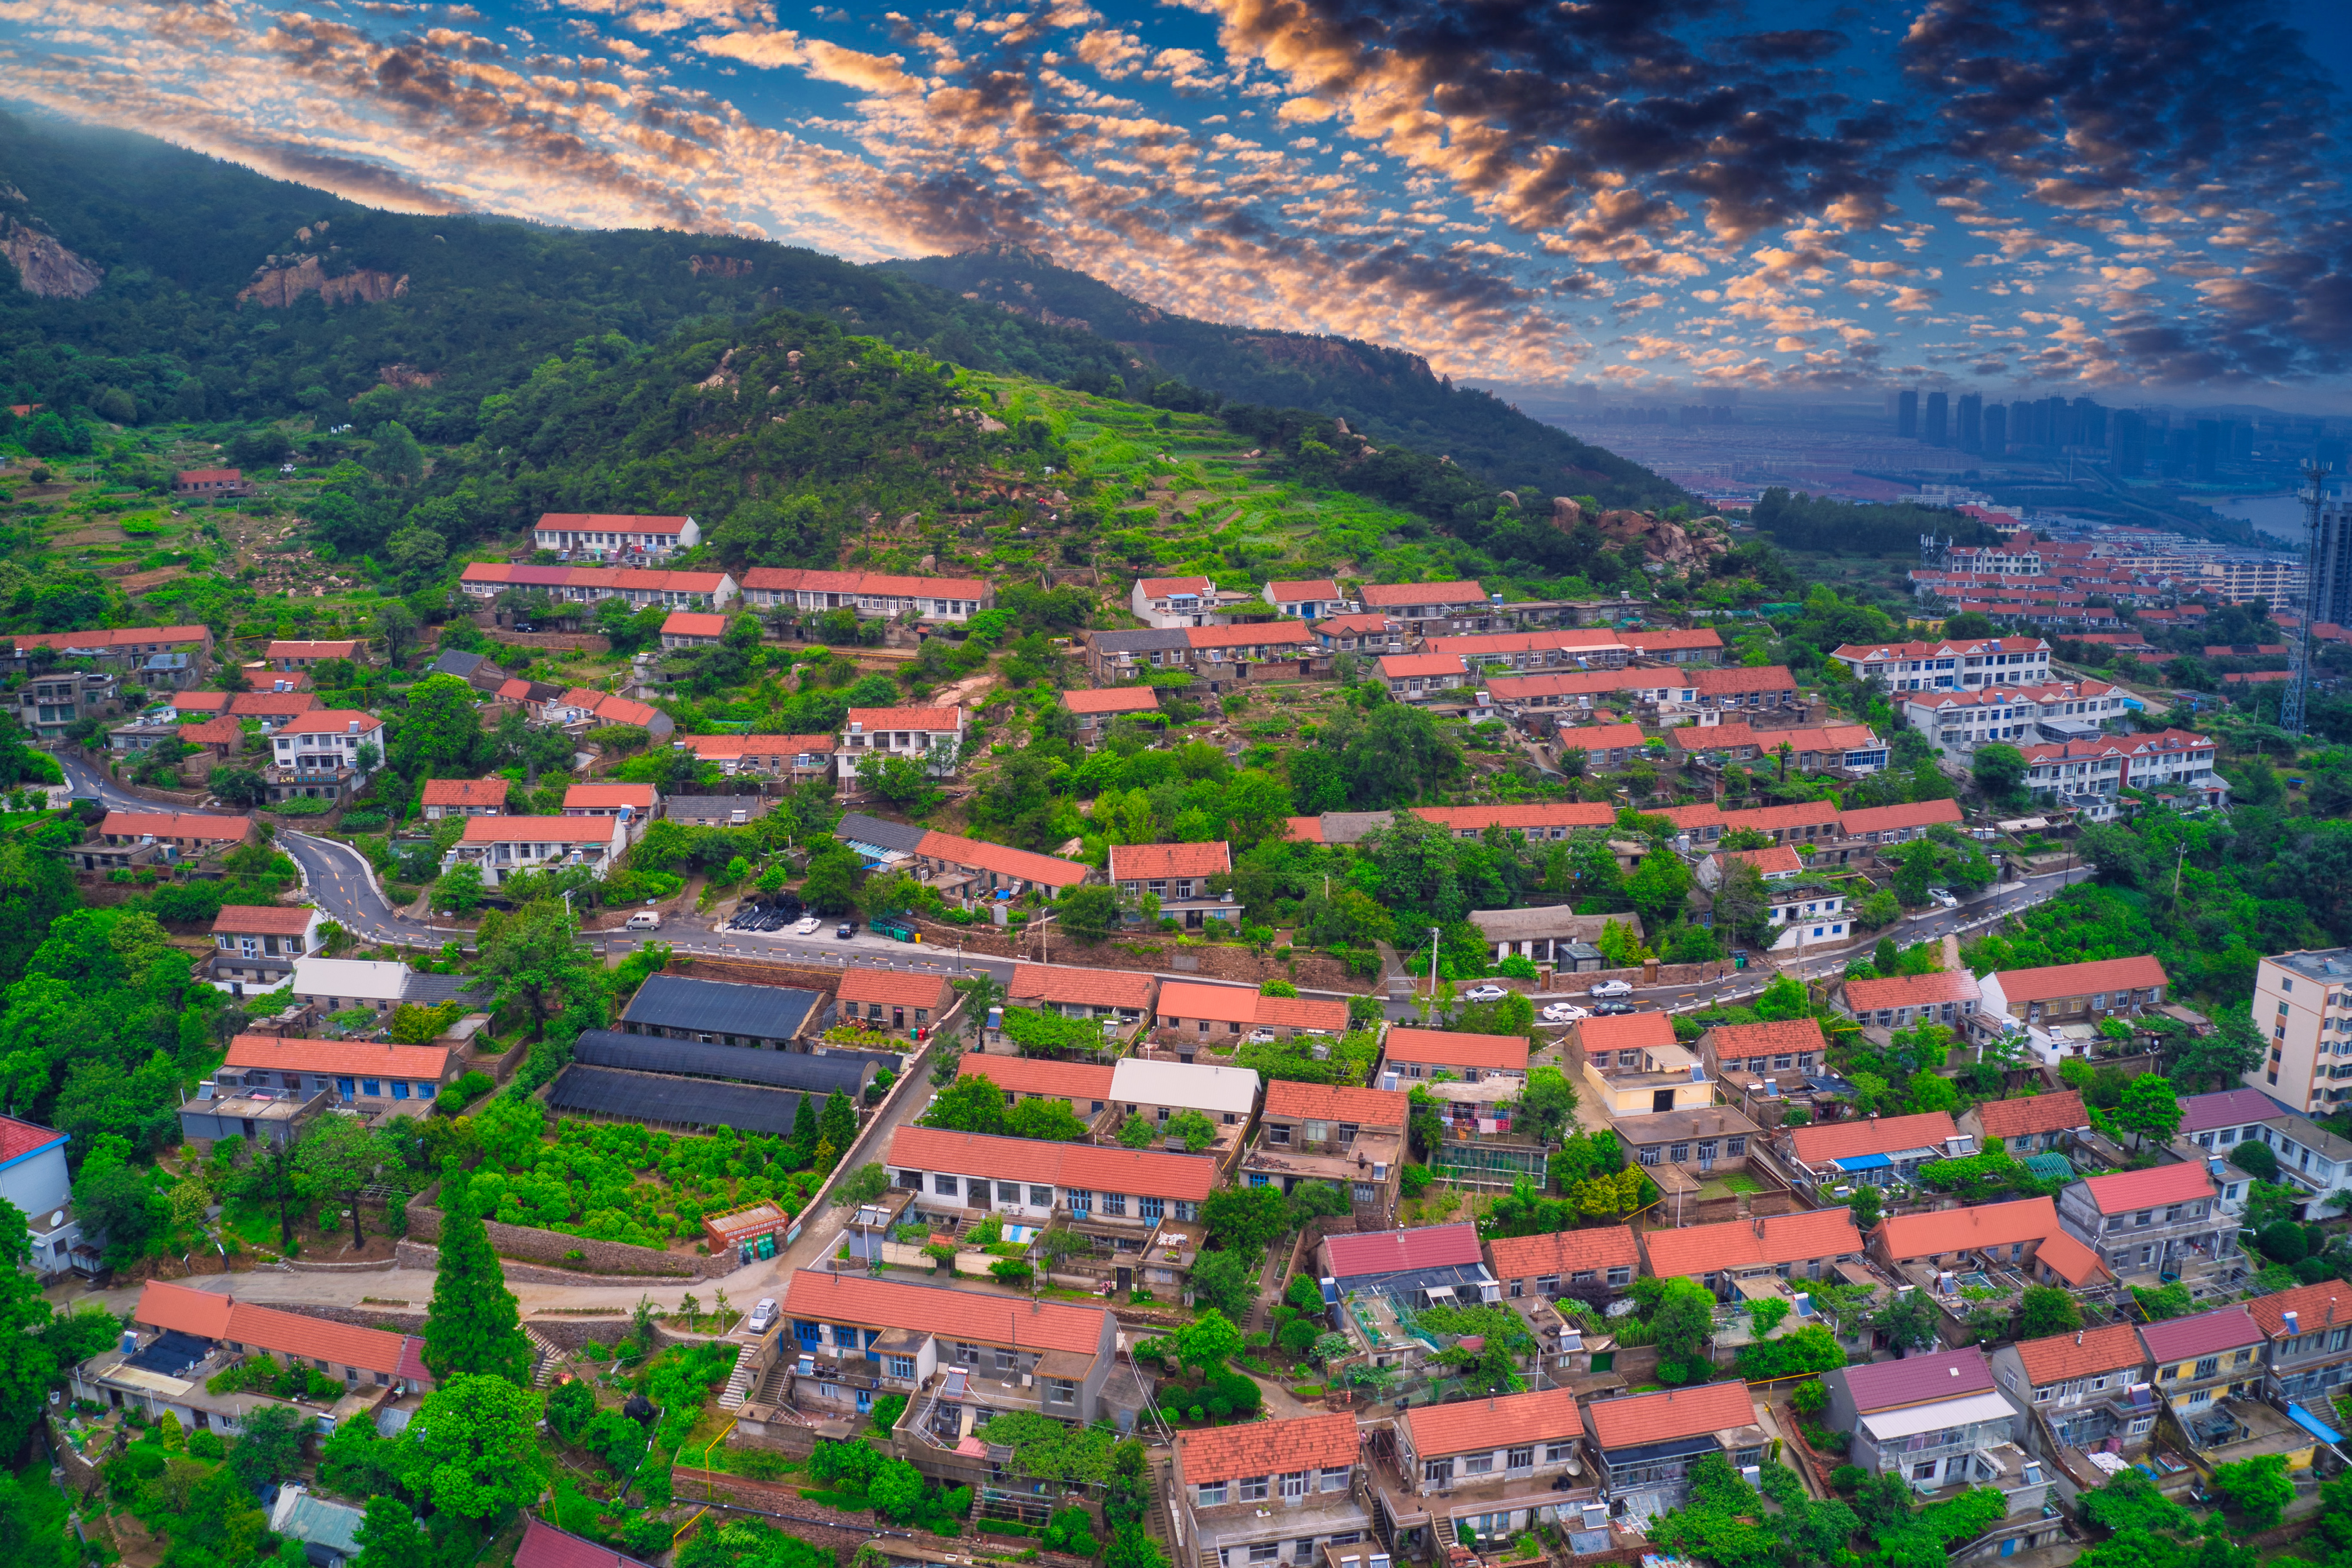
2280	515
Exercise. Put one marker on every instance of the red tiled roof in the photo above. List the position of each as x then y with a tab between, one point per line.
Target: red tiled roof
1266	1447
1357	625
1403	595
331	722
1082	987
18	1139
1929	990
1645	1418
1749	1242
1599	1249
709	748
1218	1004
1112	699
174	825
687	624
203	475
1778	860
2326	1305
1939	1231
164	1305
349	1059
544	1546
1327	1015
1739	679
877	583
1312	588
895	988
1568	683
221	732
614	521
609	795
539	829
1514	1420
200	701
1161	587
1862	1135
1604	737
1398	665
1737	1042
2034	1114
1400	1251
1887	819
264	920
1248	633
1335	1102
465	792
1147	1173
1450	1048
993	1319
1304	829
1627	1032
1918	1380
2081	1354
2120	1192
1558	814
1002	859
336	648
1134	862
907	717
1039	1075
2070	1259
1672	640
2182	1338
2135	974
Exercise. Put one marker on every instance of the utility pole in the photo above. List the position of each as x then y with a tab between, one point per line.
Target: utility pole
2298	681
2180	853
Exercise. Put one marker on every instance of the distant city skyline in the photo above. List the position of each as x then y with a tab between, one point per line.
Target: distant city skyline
2007	197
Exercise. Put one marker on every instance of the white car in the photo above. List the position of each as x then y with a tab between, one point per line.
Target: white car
1564	1013
1261	1037
1484	994
1942	898
808	927
763	1316
1612	989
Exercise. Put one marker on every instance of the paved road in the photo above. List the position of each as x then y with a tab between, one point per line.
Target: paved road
93	780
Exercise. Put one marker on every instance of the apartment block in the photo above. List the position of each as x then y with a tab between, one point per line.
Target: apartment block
2303	1001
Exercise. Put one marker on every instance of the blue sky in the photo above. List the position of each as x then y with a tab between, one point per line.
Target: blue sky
1643	194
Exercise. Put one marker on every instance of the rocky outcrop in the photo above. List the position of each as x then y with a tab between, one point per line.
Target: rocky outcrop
281	285
1676	546
406	376
719	266
43	265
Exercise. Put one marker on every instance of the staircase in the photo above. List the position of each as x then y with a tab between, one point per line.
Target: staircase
739	1382
1441	1527
543	1357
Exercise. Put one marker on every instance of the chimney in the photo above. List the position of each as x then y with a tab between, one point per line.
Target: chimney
2078	1336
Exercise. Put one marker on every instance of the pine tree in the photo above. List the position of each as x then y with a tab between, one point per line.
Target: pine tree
473	1325
804	1131
838	1125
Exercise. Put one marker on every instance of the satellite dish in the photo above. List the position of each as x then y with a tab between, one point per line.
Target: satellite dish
57	1219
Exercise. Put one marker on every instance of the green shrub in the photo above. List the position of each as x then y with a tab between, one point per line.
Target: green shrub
1414	1180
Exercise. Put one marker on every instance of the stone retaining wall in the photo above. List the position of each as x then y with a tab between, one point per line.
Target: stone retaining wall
826	1526
598	1260
757	972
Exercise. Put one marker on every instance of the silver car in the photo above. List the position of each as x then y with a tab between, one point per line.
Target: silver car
764	1315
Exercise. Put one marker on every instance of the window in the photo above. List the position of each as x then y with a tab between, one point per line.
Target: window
1115	1205
1293	1485
1062	1391
1008	1192
1333	1479
1558	1453
1736	1147
1040	1197
899	1367
1621	1275
1151	1208
1081	1201
1366	1192
2208	1367
1212	1494
1437	1472
1478	1464
1253	1489
1924	1471
1278	1136
1520	1458
1678	1153
371	1086
945	1187
1264	1550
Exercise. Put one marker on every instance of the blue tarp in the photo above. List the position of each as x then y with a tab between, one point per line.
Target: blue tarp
2313	1425
1863	1162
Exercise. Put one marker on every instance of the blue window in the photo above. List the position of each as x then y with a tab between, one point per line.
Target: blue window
865	1401
845	1337
344	1087
399	1089
1257	1179
1151	1208
371	1086
1081	1200
808	1333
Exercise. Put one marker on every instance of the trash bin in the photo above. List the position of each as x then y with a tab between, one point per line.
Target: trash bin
768	1246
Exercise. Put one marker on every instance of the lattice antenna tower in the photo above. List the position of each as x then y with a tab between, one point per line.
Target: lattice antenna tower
2292	701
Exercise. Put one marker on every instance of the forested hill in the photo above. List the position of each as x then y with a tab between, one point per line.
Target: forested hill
1388	393
131	256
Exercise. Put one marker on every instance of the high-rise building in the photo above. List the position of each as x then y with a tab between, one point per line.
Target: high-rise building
2332	571
1907	414
2090	423
2302	1003
1971	411
2211	444
1996	429
1937	414
2131	443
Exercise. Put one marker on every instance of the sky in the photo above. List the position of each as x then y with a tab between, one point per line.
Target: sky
1645	195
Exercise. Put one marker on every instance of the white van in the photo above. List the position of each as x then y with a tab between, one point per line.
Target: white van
645	920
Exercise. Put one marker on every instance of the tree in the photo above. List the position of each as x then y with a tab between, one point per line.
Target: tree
1207	1343
2045	1310
1999	770
240	788
2256	1490
438	733
343	1156
1909	1321
896	1490
1658	887
2149	1109
1245	1219
2257	1159
472	1326
1087	911
837	1125
1783	999
389	1537
904	782
460	889
831	887
535	958
1226	1281
1684	1321
2234	1048
863	1185
971	1104
271	1445
473	1449
396	626
395	454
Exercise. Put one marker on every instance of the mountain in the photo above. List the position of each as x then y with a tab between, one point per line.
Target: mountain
154	283
1387	393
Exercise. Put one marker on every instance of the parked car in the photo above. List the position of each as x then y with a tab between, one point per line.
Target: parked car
1612	989
1942	899
645	920
1484	994
844	930
1261	1037
1612	1009
1564	1013
807	927
763	1316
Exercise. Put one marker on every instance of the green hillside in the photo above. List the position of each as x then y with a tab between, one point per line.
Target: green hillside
1388	393
451	309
